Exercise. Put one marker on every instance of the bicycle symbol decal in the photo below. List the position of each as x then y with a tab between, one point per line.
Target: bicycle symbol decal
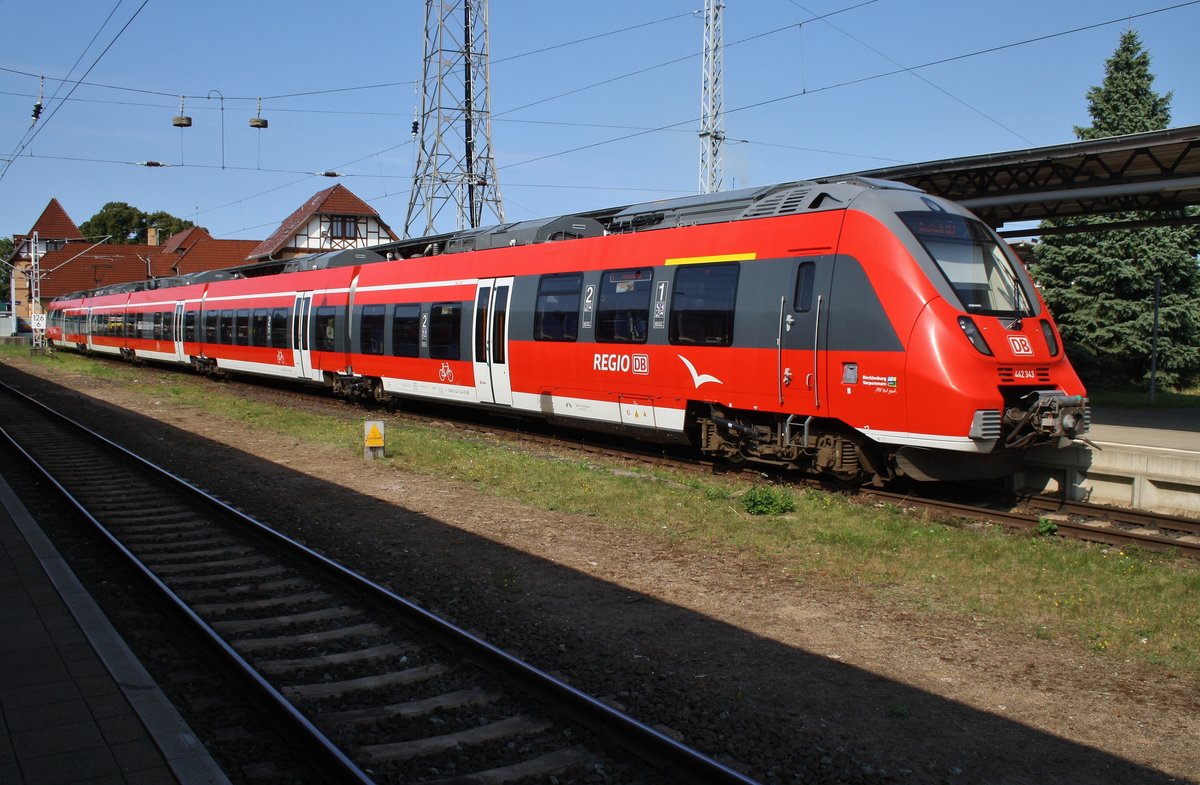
446	374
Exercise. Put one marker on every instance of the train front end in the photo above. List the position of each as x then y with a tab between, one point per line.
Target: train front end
985	364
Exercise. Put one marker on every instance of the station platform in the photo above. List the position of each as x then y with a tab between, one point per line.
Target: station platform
1147	459
75	704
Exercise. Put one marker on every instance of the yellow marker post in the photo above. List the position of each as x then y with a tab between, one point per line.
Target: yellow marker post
373	441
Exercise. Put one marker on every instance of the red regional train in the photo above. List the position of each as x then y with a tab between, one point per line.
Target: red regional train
854	328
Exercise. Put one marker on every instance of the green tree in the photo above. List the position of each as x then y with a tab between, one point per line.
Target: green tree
1099	282
6	250
166	224
127	224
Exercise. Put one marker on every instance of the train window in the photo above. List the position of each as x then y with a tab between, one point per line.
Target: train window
168	326
130	325
242	329
258	327
370	329
189	326
556	315
500	326
406	331
211	335
481	322
702	304
325	326
445	329
157	326
624	305
279	327
226	327
973	261
806	278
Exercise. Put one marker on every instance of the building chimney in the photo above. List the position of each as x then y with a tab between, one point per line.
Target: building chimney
151	235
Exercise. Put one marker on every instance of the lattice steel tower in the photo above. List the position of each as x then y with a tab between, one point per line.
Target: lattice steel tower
712	120
455	168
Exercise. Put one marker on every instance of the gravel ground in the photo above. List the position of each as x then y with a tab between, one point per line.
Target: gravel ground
793	683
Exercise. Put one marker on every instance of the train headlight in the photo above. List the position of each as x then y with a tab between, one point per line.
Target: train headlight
973	335
1051	340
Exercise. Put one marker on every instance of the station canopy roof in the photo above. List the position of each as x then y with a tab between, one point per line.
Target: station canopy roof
1153	171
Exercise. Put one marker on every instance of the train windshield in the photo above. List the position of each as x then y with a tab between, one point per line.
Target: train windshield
972	261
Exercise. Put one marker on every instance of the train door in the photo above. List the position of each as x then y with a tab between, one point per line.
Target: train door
492	381
301	353
177	333
802	373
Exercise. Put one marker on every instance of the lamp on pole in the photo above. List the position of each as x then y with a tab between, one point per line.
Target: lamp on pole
222	97
1154	337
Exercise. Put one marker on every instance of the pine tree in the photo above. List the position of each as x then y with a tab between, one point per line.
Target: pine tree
1100	283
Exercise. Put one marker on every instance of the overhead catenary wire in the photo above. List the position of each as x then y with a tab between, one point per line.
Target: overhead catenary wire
39	128
863	79
674	127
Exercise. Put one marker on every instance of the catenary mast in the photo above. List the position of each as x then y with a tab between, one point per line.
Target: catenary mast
455	170
712	121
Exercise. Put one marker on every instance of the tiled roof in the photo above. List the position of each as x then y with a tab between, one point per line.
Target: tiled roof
205	253
337	200
185	239
74	267
68	270
55	224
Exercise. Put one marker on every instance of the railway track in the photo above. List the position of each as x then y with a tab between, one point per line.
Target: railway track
374	687
1076	520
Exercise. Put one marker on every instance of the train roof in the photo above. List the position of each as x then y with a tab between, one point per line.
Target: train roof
745	203
798	196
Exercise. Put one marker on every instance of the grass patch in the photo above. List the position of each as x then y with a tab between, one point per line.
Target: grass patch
1140	399
1121	603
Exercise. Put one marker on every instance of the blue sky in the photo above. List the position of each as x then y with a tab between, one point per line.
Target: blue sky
339	89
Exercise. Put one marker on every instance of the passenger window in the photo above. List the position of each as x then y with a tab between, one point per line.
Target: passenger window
325	326
279	327
242	330
370	329
227	332
702	305
445	329
189	326
806	278
556	315
258	328
211	335
406	331
624	308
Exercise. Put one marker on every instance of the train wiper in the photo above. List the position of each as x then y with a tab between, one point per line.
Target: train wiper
1016	296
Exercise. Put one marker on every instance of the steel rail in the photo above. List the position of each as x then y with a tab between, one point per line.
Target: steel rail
332	760
685	763
1075	529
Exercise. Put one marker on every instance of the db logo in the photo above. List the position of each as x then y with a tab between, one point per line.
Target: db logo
1020	344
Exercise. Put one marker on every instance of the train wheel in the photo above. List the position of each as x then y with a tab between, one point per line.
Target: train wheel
378	393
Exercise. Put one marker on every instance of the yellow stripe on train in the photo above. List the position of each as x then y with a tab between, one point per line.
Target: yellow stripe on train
729	257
